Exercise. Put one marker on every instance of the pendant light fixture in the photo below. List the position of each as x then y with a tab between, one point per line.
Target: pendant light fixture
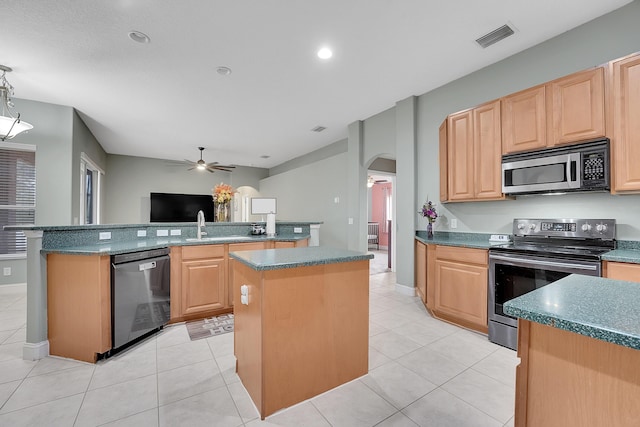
10	126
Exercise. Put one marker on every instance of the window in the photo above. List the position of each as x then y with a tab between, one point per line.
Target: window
17	196
90	186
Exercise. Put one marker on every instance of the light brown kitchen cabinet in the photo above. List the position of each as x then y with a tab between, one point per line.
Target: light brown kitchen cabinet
473	150
625	141
460	293
431	276
204	285
524	120
577	107
444	170
621	271
421	270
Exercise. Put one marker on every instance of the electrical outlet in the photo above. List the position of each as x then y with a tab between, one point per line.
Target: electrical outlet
297	229
454	223
105	235
350	221
142	233
162	233
176	232
6	271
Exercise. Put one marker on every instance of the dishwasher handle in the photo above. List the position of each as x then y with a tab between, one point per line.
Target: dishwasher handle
139	256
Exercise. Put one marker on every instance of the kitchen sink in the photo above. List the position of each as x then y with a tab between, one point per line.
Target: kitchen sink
218	239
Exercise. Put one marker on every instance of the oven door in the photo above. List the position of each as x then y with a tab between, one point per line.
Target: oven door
512	275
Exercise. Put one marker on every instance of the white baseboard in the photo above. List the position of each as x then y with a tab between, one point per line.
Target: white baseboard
35	351
405	290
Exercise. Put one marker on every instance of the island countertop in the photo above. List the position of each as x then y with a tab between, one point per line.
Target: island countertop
276	259
596	307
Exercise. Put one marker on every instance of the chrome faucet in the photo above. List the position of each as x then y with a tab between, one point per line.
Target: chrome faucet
200	221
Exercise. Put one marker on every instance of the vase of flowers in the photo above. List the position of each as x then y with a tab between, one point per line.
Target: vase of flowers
222	195
429	211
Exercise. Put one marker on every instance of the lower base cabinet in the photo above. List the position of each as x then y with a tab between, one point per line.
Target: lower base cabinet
621	271
456	284
202	277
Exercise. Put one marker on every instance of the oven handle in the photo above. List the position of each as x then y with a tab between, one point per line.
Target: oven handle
547	263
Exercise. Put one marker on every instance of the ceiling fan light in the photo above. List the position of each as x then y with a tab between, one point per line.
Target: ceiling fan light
9	126
201	166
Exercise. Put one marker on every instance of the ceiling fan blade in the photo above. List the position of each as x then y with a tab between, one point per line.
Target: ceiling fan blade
190	169
190	162
210	170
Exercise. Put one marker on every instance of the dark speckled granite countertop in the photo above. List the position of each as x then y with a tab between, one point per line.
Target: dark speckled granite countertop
277	259
600	308
466	240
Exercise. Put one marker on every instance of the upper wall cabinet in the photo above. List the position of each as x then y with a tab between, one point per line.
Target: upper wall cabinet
524	121
564	111
577	107
444	180
473	153
625	142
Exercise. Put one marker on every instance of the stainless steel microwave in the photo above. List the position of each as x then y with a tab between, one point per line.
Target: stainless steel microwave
578	167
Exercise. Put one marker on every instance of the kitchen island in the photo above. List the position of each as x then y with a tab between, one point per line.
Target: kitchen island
69	307
579	345
301	322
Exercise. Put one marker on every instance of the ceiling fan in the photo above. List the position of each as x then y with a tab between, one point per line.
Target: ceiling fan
211	167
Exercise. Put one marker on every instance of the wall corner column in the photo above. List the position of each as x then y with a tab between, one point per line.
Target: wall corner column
356	179
405	220
37	345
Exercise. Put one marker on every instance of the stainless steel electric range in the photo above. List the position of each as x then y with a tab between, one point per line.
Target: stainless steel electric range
543	251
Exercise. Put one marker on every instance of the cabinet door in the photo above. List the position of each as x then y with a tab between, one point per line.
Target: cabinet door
487	140
622	271
625	144
460	155
302	243
524	124
421	269
461	292
203	285
443	161
577	107
431	276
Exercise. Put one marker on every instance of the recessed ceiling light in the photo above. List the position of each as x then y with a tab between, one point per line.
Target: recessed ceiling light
264	157
318	129
139	37
223	71
325	53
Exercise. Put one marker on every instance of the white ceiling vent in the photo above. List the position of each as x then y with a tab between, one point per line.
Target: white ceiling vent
495	36
318	129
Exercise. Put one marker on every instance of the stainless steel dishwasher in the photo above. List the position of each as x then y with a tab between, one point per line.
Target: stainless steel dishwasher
140	294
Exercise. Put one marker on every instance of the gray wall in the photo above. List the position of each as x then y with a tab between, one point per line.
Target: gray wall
52	136
608	37
308	193
129	180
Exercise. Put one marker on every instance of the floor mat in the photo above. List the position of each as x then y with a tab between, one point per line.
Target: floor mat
210	327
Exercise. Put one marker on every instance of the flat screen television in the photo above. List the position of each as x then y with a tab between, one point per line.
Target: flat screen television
169	207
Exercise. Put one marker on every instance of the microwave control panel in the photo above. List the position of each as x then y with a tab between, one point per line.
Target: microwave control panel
594	167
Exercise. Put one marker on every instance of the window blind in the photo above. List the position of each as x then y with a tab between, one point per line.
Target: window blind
17	195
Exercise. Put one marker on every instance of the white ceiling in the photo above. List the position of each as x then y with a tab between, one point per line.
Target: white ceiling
164	99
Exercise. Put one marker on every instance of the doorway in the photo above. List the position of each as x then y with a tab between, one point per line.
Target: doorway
381	209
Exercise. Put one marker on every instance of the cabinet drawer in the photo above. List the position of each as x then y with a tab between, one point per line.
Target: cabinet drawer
253	246
202	251
464	255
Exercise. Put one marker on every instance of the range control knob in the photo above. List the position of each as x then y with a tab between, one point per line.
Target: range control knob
586	227
532	226
520	226
601	228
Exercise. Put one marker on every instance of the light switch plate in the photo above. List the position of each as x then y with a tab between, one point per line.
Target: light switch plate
176	232
454	223
297	229
500	238
105	235
162	233
142	233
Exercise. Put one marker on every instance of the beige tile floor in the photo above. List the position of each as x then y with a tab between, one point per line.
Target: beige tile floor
422	372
